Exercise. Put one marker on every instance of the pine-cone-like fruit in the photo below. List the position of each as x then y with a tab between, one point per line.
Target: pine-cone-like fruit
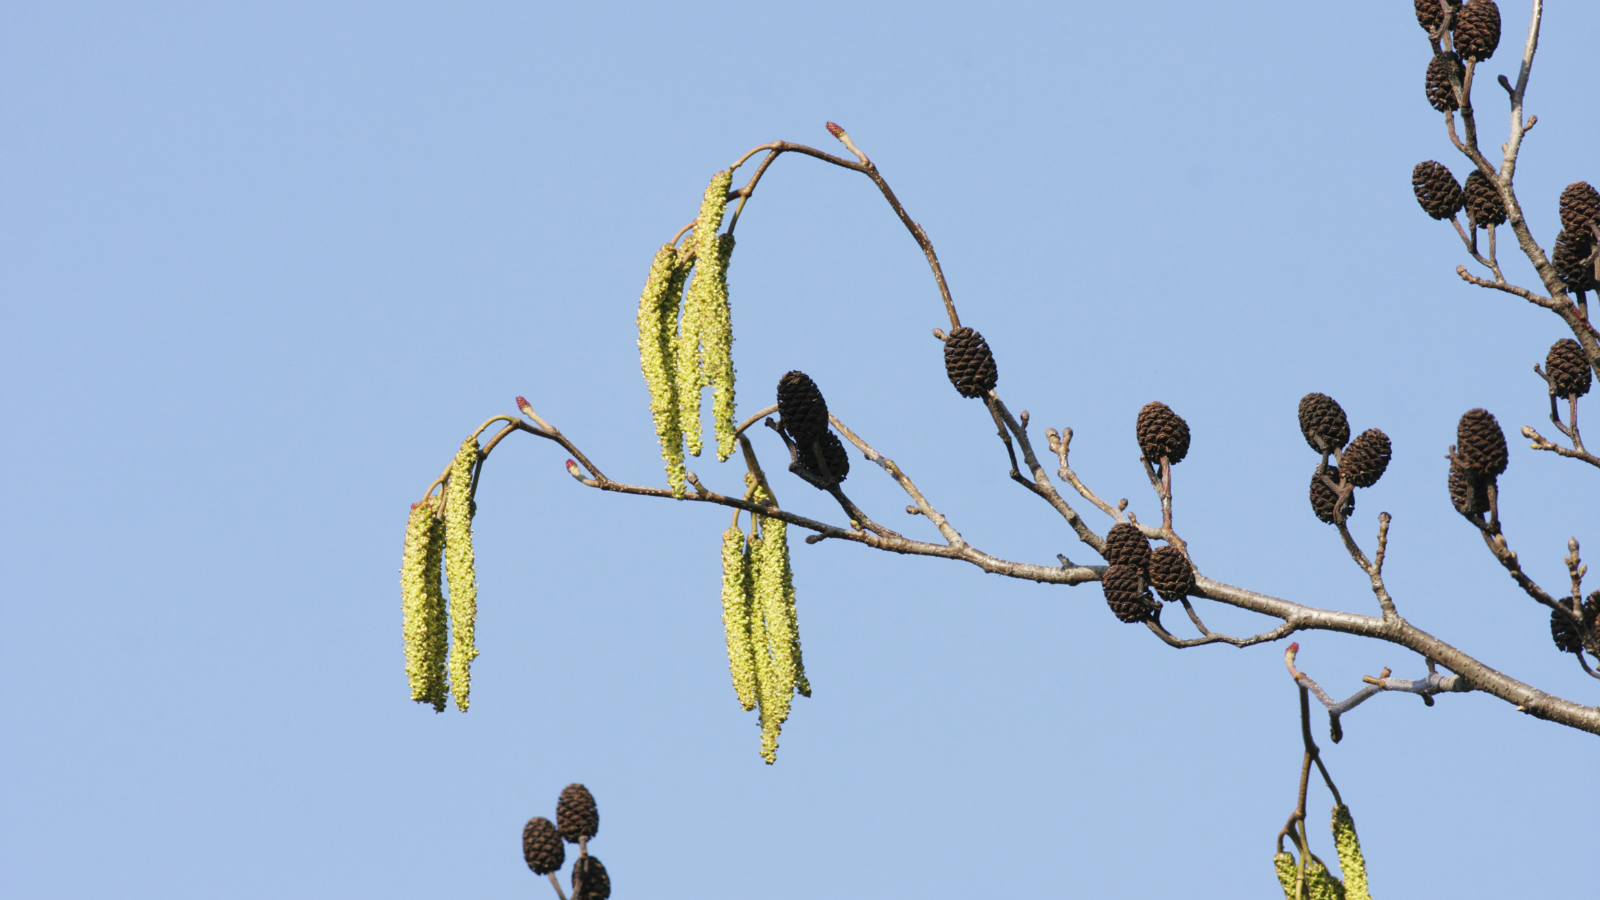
1477	30
1126	594
1444	68
589	879
1483	203
969	362
833	453
1162	432
1469	494
803	412
1571	259
1429	14
576	814
1323	497
1366	458
1437	190
1568	370
1565	632
1323	422
1580	205
1171	574
1480	444
1126	546
542	847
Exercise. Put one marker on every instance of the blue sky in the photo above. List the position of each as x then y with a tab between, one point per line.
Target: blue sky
265	265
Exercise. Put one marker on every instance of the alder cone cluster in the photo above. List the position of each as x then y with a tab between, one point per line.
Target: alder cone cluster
969	362
1480	444
833	454
1483	203
1323	423
1580	205
1429	15
1571	259
1444	68
542	847
1469	494
590	880
1438	192
1366	458
1568	370
1323	497
1126	546
1126	594
801	409
1162	432
1171	574
576	813
1477	30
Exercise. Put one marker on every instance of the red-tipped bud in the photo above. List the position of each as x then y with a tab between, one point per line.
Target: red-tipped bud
572	468
1294	647
835	130
522	404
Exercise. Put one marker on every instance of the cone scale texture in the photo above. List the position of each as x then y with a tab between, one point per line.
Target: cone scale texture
1469	494
1127	546
576	814
1580	205
1365	460
1567	368
1571	260
1324	497
969	363
1482	201
1477	30
590	881
542	848
1437	191
1443	70
1429	14
801	409
1323	423
1125	593
1480	444
1162	433
1171	574
833	455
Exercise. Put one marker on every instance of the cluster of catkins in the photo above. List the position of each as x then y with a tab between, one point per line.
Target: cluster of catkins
1360	464
577	822
1319	882
686	336
439	640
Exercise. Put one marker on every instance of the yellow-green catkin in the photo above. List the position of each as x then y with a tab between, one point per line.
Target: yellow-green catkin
1288	873
773	596
1351	863
736	616
658	316
763	660
697	303
422	609
717	339
1320	883
459	570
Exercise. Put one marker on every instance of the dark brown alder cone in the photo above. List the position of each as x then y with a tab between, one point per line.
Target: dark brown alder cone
1565	632
1441	92
1366	458
1126	546
1568	370
1571	259
1162	432
1480	444
969	362
542	847
1323	497
1126	594
1469	494
1483	203
803	412
576	814
590	880
833	453
1437	190
1323	422
1429	14
1171	574
1580	205
1477	30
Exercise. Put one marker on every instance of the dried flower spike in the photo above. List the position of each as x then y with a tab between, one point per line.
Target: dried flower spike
460	571
423	618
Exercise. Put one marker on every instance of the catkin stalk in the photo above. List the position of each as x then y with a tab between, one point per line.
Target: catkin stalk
736	616
422	607
1351	863
658	315
697	304
459	569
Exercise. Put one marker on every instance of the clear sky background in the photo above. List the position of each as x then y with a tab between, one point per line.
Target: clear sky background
265	265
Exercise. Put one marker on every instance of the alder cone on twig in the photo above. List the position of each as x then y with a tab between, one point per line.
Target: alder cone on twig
1480	444
1565	632
1323	422
969	362
576	814
1483	203
1477	30
1469	494
1571	259
1126	546
1429	15
590	880
1323	497
1162	432
803	412
542	847
1171	574
1441	92
833	454
1437	190
1366	458
1125	593
1580	205
1568	370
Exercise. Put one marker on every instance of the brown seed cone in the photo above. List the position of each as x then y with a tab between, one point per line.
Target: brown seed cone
1438	192
1323	497
1429	15
1469	494
1483	203
1126	546
969	362
1568	370
833	454
1480	444
590	880
801	409
1580	205
1565	632
1571	259
1126	594
1366	458
1438	84
542	847
1323	422
576	814
1162	432
1171	574
1477	30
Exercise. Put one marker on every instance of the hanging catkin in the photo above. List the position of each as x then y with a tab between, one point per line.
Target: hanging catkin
717	345
658	315
736	616
422	610
774	594
697	313
459	570
1351	864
